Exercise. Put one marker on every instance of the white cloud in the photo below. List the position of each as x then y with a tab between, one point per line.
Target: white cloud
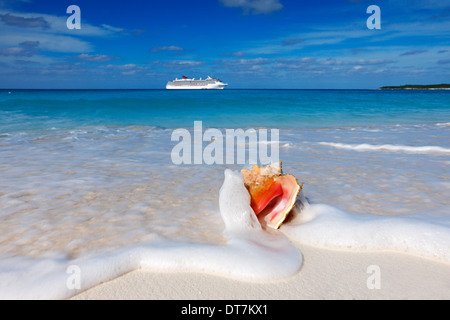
121	30
254	6
17	52
168	48
179	64
245	62
235	54
51	24
35	60
95	57
126	69
47	41
50	31
129	73
128	66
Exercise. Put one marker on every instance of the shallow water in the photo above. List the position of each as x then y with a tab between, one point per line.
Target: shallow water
87	176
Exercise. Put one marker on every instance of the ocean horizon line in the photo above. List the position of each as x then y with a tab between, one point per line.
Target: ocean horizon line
163	89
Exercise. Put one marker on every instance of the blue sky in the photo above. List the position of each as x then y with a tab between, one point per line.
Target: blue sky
247	43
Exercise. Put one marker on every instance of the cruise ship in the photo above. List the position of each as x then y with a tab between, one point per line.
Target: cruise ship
186	83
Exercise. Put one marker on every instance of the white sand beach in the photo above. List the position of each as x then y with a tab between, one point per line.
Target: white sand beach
325	274
362	258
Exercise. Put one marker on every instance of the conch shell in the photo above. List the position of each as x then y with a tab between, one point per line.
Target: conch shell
273	195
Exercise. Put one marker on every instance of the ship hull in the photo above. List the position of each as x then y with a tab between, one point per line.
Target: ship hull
188	84
209	87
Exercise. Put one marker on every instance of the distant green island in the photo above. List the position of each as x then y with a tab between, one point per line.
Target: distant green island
443	86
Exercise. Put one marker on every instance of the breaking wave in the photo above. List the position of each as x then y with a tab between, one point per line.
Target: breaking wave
389	148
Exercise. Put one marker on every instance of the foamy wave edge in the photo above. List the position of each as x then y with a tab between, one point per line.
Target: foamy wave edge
389	148
251	252
325	226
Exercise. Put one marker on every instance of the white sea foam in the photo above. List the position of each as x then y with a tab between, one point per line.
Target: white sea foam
251	254
329	227
389	147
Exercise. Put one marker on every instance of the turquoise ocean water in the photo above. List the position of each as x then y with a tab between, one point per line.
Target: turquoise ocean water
87	175
284	109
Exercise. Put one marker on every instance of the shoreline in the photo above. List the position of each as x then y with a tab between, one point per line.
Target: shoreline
325	274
